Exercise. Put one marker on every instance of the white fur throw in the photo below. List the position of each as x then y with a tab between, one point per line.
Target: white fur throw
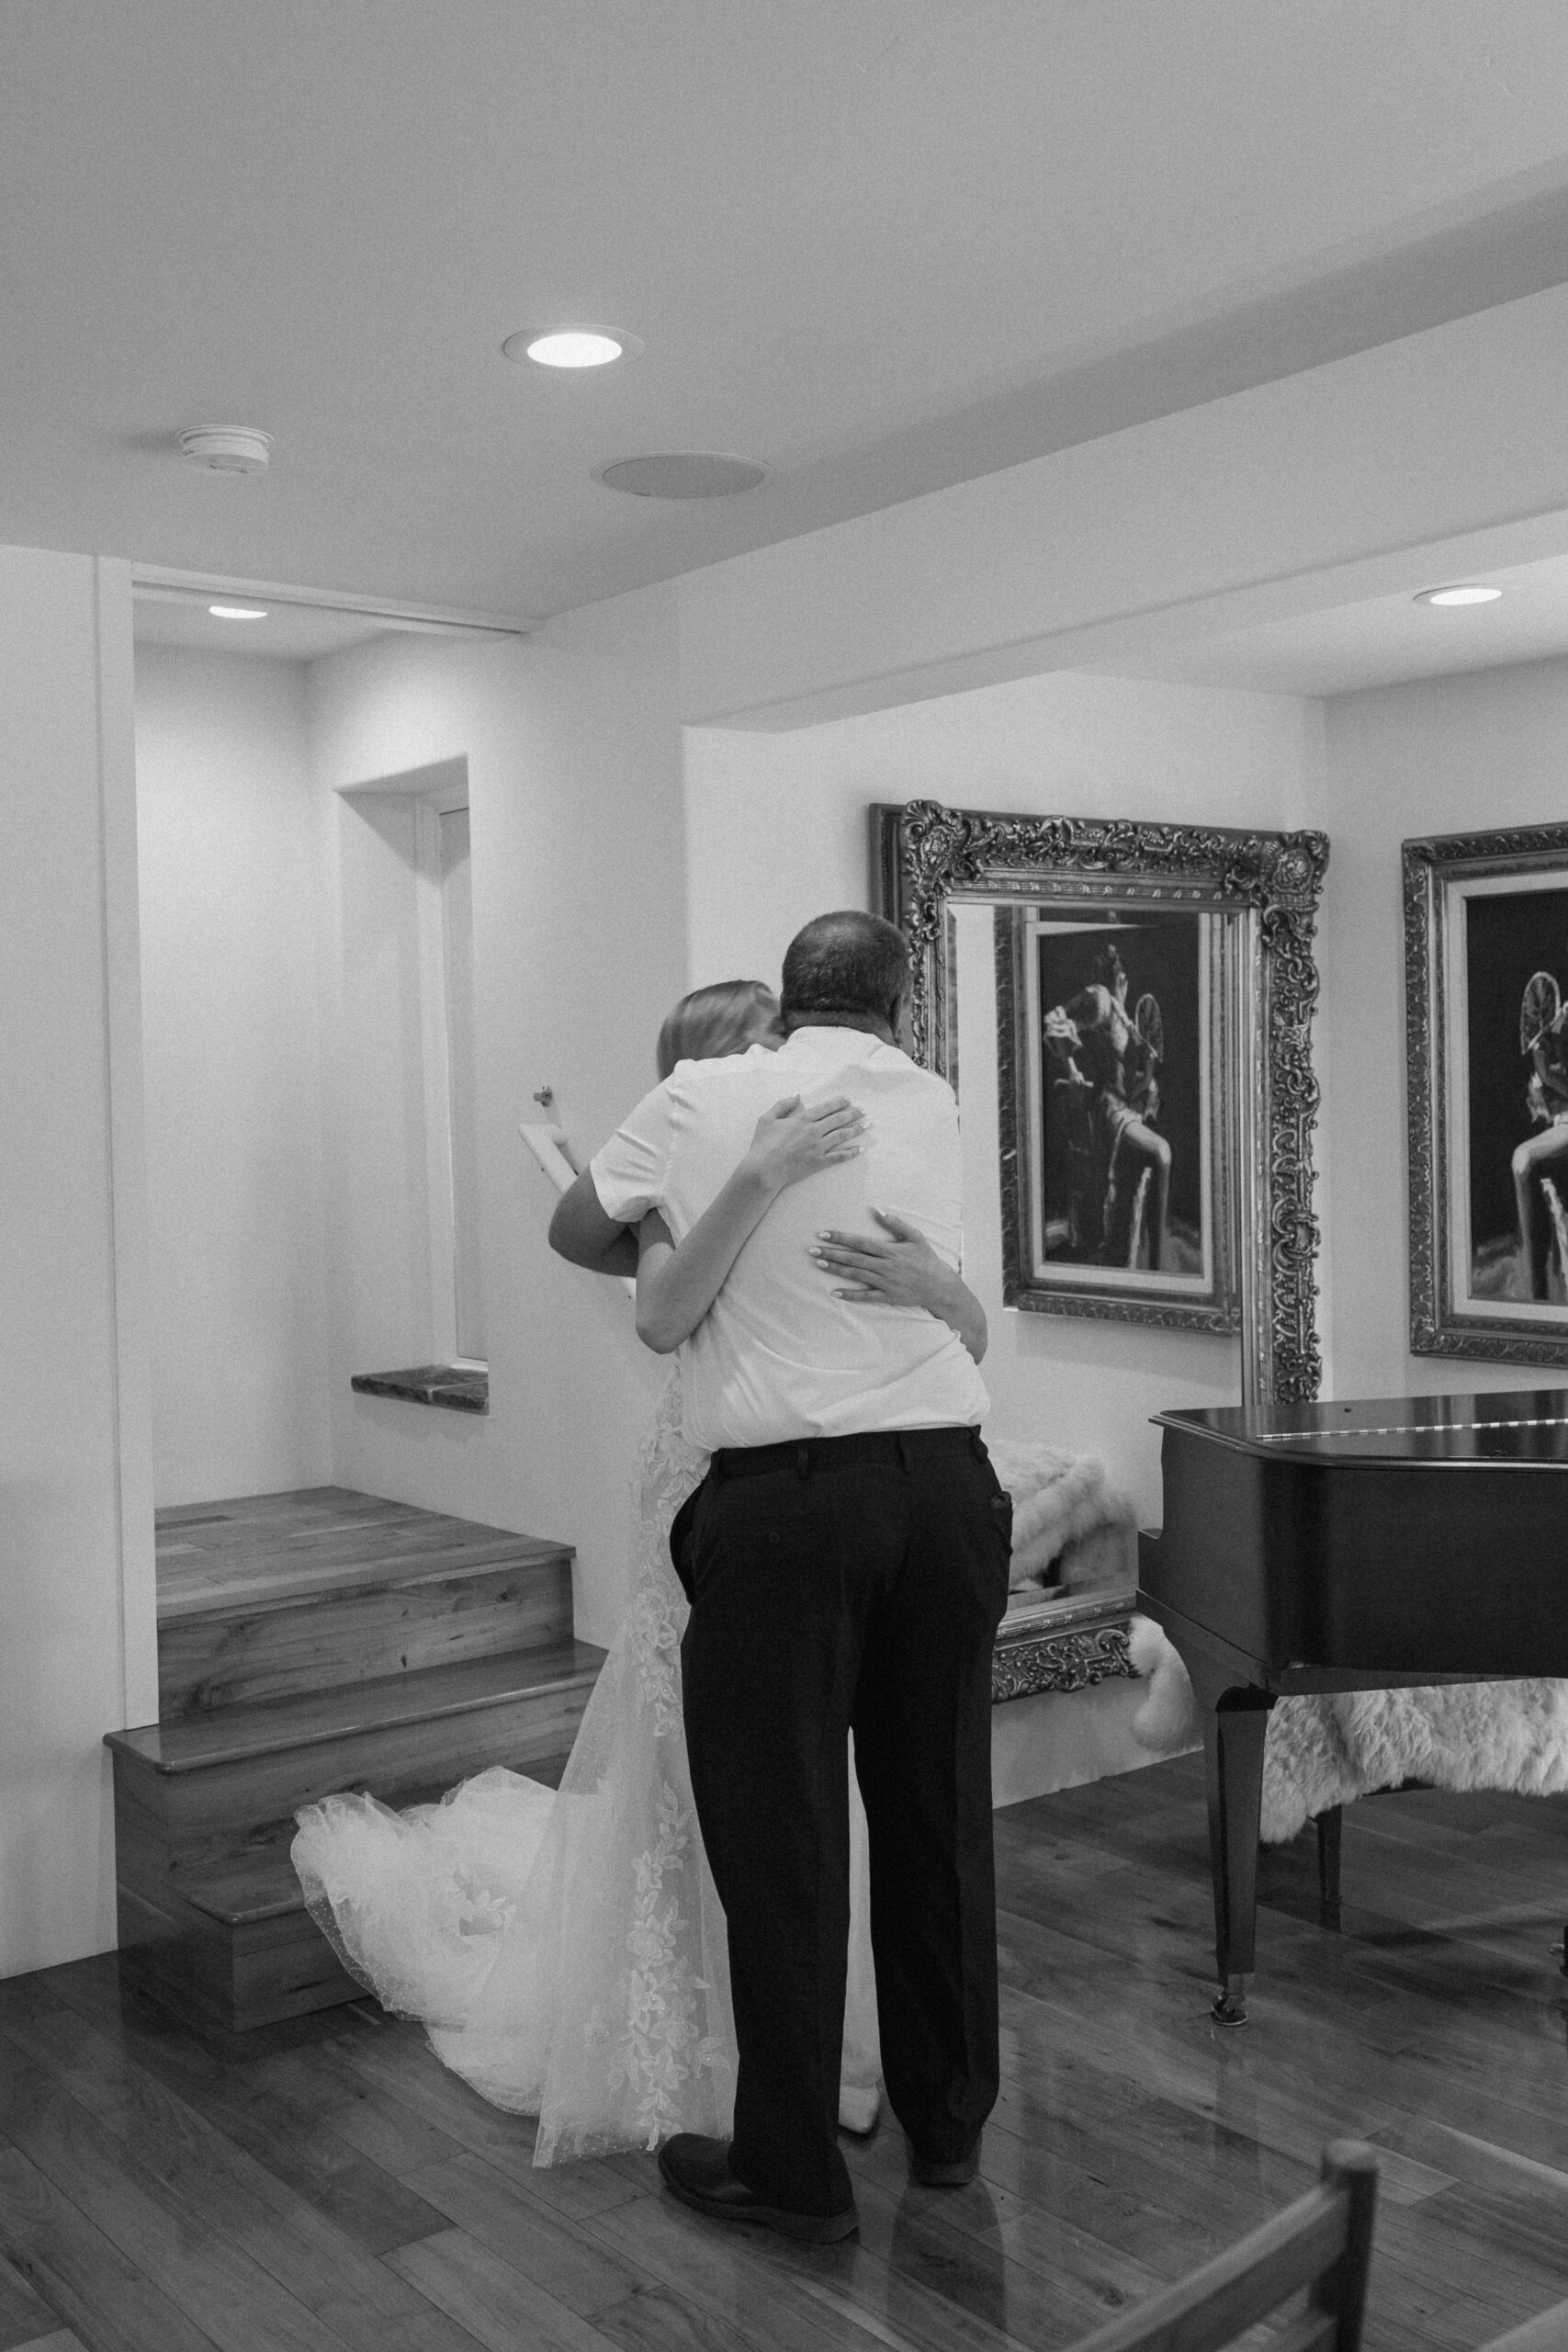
1328	1750
1067	1515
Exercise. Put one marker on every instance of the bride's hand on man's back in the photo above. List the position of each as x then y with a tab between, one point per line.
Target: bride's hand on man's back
895	1268
794	1139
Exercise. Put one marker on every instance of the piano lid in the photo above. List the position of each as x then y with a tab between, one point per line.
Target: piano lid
1527	1426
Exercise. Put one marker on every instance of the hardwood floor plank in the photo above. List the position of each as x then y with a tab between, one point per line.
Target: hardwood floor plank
401	2066
1484	2164
1166	2183
906	2316
287	2139
568	2266
719	2270
863	2288
217	2284
383	2130
328	2271
80	2272
1089	2283
661	2319
1469	2231
495	2303
24	2315
1058	2181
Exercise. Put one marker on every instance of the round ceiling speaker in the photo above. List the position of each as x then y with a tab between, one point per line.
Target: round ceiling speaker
227	448
683	473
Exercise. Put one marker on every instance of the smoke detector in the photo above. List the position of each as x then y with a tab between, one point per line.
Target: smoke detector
227	448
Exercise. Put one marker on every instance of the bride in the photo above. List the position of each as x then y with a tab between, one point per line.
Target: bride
565	1950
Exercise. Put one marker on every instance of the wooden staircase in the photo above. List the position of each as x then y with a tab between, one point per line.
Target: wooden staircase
310	1643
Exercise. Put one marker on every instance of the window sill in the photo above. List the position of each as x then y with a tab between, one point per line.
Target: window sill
457	1389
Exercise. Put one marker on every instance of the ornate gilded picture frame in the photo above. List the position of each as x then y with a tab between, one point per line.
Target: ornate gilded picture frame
926	856
1486	1033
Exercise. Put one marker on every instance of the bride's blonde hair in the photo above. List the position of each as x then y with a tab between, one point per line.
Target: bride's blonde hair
716	1019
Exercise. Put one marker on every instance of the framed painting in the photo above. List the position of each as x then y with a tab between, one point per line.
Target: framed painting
1155	1089
1117	1111
1487	1030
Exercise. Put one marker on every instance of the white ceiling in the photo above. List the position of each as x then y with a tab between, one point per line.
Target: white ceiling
288	633
1380	641
881	247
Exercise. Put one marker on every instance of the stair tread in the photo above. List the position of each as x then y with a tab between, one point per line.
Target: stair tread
260	1551
264	1885
225	1735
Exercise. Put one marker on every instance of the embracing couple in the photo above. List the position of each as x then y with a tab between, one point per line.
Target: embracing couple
795	1211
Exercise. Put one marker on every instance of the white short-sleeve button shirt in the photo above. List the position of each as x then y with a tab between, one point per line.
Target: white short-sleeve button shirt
777	1356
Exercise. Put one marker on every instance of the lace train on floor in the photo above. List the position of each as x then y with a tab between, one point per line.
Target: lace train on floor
566	1950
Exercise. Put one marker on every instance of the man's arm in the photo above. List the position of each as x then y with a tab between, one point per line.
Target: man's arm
627	1173
582	1233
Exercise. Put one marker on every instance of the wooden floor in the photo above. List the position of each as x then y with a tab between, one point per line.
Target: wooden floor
324	2183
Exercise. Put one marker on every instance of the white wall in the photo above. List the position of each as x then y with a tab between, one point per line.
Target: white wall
229	860
573	762
1447	755
77	1656
777	831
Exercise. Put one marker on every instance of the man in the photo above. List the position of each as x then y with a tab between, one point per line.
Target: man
848	1556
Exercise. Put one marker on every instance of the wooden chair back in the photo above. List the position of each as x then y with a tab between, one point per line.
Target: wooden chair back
1323	2241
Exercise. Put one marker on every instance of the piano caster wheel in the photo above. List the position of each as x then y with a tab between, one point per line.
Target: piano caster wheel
1230	2002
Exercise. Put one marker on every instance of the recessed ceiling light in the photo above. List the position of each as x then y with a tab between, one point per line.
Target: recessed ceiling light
1458	595
227	448
571	346
683	473
238	612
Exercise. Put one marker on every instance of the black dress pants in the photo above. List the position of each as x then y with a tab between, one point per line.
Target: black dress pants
849	1581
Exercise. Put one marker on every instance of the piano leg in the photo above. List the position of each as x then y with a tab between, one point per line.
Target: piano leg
1330	1848
1234	1725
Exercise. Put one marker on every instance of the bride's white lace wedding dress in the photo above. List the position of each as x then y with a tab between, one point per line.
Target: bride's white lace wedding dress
566	1948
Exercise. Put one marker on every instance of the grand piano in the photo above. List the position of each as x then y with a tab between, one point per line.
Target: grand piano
1392	1542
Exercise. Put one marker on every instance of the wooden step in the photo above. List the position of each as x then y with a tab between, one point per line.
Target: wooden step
215	1783
310	1643
232	1942
271	1595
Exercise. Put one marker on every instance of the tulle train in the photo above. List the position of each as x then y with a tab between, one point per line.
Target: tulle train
566	1950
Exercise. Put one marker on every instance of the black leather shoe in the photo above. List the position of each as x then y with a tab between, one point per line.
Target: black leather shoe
933	2171
696	2170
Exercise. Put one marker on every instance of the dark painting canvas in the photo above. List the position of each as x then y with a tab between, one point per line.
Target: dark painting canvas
1120	1094
1517	1084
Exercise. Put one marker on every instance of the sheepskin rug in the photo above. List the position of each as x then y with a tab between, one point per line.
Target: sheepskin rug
1073	1530
1327	1751
1324	1751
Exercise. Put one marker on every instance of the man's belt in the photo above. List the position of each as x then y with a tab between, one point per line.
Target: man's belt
809	1455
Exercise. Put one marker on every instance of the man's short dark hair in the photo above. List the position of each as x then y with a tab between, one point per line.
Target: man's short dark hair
848	964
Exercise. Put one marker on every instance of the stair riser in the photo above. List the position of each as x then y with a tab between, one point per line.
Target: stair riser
236	1979
229	1808
245	1658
